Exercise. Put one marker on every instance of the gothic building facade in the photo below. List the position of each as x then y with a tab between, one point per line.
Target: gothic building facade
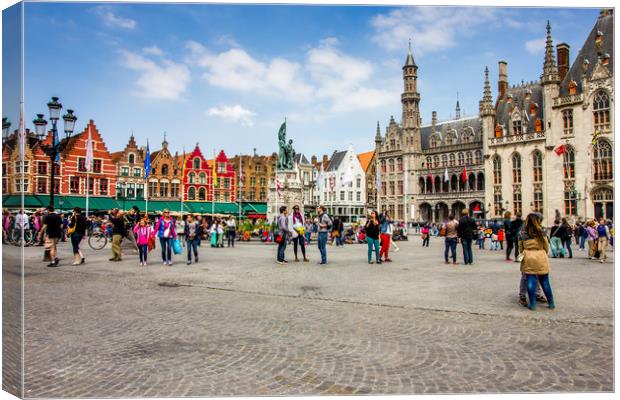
510	157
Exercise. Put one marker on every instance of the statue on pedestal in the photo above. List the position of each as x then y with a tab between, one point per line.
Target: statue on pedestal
286	155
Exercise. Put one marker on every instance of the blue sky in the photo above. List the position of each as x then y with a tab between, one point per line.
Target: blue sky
227	75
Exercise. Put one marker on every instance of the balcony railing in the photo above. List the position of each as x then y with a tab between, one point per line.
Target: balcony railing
450	195
568	100
510	139
475	145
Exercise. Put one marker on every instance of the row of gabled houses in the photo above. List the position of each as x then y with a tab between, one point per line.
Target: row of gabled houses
236	184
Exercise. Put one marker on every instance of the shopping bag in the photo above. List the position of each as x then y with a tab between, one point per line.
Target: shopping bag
176	246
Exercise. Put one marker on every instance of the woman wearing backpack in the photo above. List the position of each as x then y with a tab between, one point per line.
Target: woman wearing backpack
167	233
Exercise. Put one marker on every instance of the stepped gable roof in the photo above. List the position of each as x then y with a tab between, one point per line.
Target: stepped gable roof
11	142
336	160
519	100
365	159
445	126
117	155
589	51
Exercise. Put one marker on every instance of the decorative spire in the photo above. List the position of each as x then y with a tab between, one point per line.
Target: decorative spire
410	62
486	105
550	69
458	107
378	134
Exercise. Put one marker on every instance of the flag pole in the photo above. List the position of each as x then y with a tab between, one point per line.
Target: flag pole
182	182
89	156
213	177
239	187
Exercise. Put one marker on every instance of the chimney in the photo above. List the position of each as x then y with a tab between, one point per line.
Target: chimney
313	160
563	59
502	84
434	120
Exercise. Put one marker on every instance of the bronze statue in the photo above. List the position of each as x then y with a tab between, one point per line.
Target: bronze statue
286	154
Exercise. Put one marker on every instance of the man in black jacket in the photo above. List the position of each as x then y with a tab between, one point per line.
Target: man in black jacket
516	226
466	230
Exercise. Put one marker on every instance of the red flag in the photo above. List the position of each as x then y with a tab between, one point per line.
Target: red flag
430	175
561	149
464	174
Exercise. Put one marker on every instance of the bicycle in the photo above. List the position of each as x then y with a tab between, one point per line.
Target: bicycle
97	239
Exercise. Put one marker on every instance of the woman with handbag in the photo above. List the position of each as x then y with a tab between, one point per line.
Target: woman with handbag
76	231
281	238
167	233
372	229
297	221
533	249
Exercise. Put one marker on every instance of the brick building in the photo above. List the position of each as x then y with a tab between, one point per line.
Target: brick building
165	177
129	171
256	172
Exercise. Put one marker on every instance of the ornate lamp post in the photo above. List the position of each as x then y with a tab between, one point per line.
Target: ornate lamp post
6	126
53	150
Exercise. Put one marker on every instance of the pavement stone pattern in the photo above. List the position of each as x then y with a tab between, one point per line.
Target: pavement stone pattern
238	324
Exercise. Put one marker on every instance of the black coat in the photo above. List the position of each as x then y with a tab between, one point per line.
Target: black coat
466	228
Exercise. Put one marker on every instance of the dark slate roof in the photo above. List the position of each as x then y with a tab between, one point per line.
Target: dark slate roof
605	24
335	161
301	159
519	93
445	126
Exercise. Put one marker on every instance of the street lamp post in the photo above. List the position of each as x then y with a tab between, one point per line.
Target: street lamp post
55	148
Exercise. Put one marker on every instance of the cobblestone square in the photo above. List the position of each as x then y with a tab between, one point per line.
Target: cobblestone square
238	324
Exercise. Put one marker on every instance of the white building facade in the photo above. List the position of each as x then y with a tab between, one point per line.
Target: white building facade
343	190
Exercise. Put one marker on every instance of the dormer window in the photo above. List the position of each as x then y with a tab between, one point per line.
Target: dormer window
131	158
196	163
434	142
517	127
572	87
533	108
498	131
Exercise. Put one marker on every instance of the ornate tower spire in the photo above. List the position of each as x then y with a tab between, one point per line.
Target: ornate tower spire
486	105
410	98
458	107
378	133
550	69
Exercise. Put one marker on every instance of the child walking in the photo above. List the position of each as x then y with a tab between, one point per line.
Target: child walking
144	232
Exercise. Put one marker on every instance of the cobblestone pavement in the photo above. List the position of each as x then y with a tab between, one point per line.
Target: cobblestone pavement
236	323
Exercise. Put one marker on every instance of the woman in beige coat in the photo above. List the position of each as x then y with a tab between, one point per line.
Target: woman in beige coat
534	246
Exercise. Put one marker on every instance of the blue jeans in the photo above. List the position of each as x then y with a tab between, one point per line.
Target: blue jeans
75	242
166	248
144	250
308	233
468	256
322	242
373	243
281	248
192	244
582	242
566	244
450	245
532	283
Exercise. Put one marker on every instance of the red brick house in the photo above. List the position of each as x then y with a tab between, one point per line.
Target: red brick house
198	178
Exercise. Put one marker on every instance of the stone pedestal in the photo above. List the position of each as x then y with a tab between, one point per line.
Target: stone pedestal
290	193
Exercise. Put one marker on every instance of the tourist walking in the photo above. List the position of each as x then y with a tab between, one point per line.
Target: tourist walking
516	226
76	231
567	234
582	235
232	231
535	263
425	235
324	225
510	240
297	222
282	238
144	233
167	233
373	229
451	238
338	231
119	231
386	237
52	228
191	231
603	240
213	233
465	232
556	235
592	239
6	225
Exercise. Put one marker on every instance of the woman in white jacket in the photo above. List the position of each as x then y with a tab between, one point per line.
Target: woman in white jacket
298	226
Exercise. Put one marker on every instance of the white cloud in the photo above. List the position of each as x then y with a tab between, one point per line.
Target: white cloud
226	40
165	80
431	29
153	51
536	46
112	20
234	113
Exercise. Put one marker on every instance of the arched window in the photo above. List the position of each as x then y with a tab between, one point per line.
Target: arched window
461	158
391	164
569	163
383	166
436	161
434	141
191	193
480	181
602	161
202	178
537	164
202	194
516	168
471	182
452	159
478	157
600	108
131	158
444	160
429	185
454	183
497	170
191	177
437	184
196	163
422	185
469	158
164	169
517	126
429	161
450	138
467	136
399	164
